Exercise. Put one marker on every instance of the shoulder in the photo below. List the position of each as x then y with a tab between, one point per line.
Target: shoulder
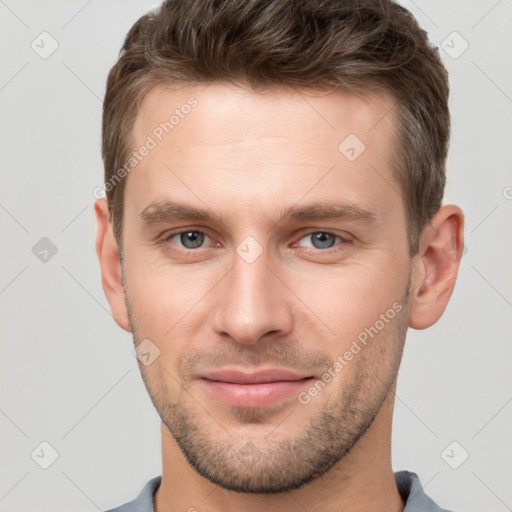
411	491
144	501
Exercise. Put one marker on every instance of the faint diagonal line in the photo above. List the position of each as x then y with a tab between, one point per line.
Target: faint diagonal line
14	485
3	412
214	488
424	14
86	290
14	76
416	415
482	428
277	426
411	498
381	118
103	396
81	80
290	495
74	218
12	12
486	14
306	193
302	96
76	14
80	490
493	287
492	81
198	402
359	94
386	181
198	301
414	288
491	490
334	334
492	211
12	280
412	412
395	103
208	207
13	218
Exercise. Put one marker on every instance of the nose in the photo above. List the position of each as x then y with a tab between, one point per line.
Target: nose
252	302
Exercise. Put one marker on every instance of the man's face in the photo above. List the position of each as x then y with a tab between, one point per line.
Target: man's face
303	259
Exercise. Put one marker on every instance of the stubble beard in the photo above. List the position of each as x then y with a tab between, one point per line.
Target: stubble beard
277	463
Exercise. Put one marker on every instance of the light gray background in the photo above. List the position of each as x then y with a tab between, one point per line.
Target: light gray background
68	374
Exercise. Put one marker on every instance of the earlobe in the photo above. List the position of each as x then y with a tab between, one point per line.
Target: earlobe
110	264
436	266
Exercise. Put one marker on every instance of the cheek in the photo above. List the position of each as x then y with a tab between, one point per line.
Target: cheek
162	383
350	299
159	296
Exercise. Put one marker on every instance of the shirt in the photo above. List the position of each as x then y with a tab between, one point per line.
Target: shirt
408	485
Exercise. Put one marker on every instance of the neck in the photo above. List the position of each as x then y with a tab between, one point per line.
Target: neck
363	480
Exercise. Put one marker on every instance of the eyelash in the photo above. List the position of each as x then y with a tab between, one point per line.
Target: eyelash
340	246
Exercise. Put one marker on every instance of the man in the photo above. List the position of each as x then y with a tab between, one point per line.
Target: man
273	224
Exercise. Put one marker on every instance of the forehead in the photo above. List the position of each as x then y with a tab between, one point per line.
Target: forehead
230	139
280	112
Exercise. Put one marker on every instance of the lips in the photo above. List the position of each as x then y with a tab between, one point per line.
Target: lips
235	376
253	389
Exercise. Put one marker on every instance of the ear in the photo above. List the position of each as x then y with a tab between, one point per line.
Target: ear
435	267
110	263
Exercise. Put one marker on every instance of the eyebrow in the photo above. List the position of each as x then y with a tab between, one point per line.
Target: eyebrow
169	211
328	211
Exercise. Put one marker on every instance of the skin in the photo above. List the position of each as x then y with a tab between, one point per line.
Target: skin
246	157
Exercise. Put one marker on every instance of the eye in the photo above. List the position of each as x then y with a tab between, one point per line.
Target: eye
190	239
321	240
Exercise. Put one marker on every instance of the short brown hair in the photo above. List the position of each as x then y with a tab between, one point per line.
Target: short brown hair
363	46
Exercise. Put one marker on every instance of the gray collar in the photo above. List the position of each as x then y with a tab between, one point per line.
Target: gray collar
408	485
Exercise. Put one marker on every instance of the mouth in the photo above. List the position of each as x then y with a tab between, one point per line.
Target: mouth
254	389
